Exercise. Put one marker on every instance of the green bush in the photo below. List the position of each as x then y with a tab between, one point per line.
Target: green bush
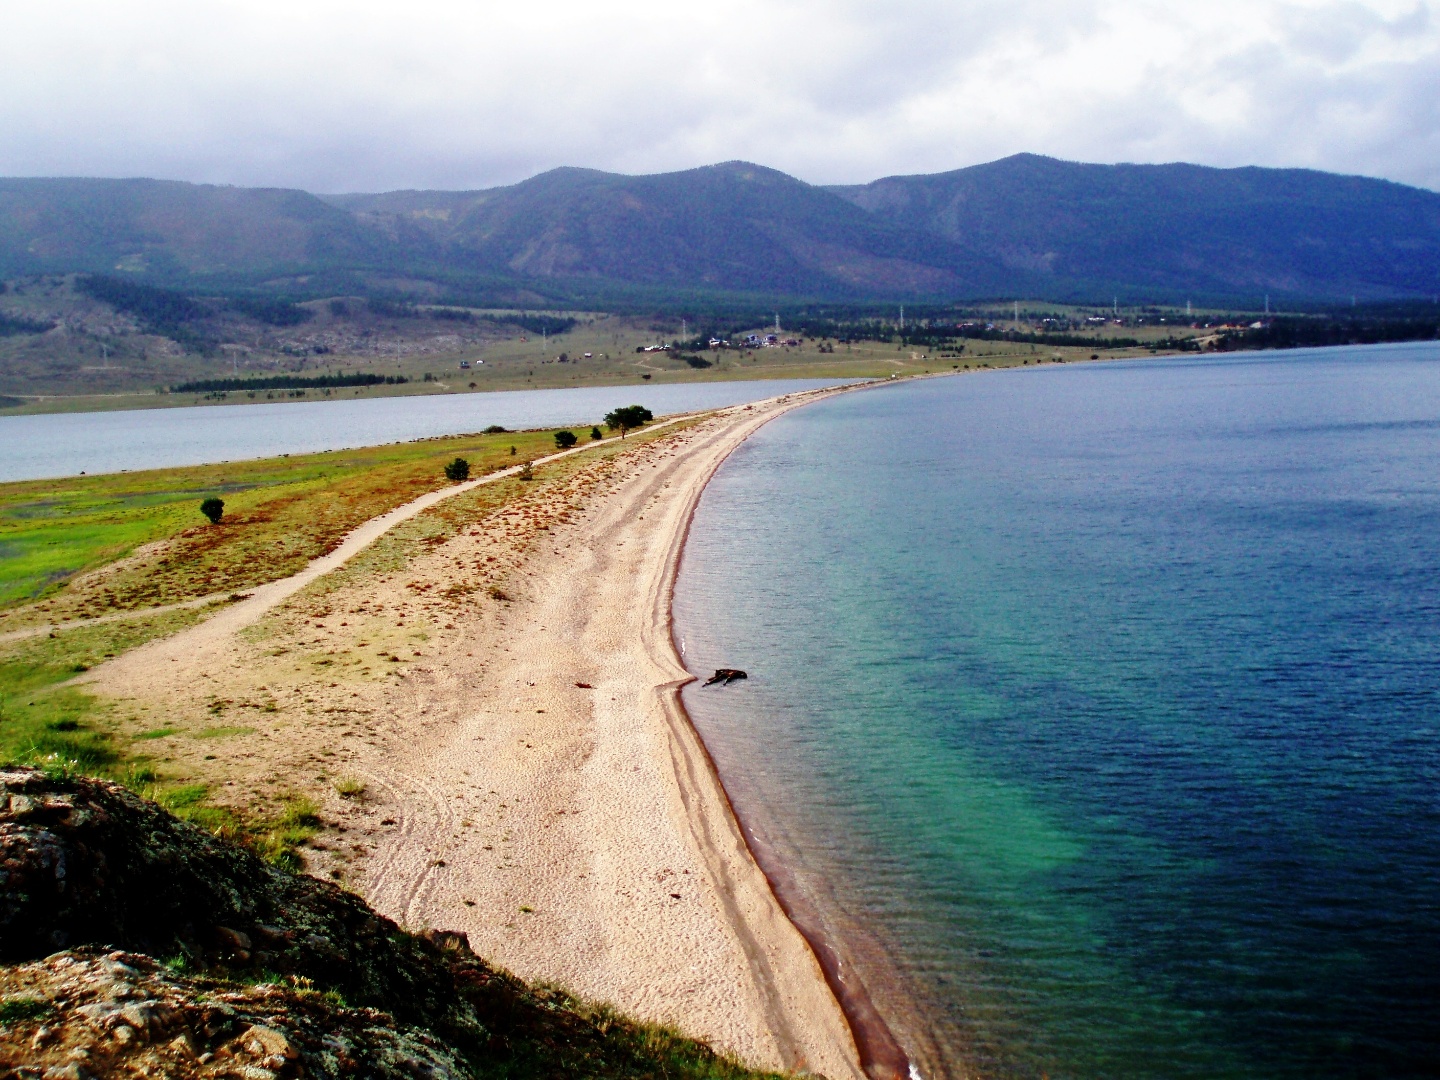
628	417
565	439
458	470
213	508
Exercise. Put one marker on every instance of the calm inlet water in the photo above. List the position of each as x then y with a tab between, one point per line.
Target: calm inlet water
1097	708
64	444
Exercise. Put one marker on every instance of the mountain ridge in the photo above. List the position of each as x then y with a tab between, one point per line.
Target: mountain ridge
1025	225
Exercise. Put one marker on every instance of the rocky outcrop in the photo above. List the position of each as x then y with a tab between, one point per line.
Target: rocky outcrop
89	1013
88	862
134	944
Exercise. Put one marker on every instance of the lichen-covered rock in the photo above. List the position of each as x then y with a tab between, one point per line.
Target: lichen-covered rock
135	945
89	1013
88	862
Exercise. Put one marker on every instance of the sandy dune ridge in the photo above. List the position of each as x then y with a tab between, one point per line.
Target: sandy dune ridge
530	776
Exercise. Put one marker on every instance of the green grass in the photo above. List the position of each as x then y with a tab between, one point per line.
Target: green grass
47	723
44	721
279	514
13	1009
274	837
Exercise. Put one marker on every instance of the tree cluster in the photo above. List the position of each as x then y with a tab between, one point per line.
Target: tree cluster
289	382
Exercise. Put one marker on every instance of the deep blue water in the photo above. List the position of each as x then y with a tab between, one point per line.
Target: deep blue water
1097	707
64	444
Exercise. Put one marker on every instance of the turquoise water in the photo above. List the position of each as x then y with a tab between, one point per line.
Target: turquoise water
1096	709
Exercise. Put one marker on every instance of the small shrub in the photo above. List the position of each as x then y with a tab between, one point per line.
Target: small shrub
595	433
458	470
497	593
495	429
527	471
565	439
213	509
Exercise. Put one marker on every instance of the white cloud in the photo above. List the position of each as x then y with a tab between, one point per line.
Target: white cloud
366	96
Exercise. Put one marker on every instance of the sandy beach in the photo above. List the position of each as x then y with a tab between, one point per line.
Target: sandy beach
494	688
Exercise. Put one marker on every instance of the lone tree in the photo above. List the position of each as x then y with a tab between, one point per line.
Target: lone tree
595	433
565	439
628	417
213	508
458	470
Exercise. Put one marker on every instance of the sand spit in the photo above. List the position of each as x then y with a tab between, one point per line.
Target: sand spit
502	682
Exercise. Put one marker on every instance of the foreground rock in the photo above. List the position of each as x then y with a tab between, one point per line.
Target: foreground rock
135	944
91	1013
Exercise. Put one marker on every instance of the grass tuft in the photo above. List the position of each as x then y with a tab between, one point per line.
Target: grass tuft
20	1008
348	787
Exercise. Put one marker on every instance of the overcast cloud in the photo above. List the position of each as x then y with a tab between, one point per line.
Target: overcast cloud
363	96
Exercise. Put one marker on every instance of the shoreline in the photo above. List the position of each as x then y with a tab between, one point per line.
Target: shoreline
531	776
880	1052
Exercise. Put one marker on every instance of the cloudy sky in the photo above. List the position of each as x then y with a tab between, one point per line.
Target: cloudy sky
364	96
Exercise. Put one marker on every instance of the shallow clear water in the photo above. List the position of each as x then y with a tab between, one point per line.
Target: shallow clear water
1097	707
64	444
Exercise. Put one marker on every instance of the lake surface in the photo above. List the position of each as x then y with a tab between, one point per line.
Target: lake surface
64	444
1097	708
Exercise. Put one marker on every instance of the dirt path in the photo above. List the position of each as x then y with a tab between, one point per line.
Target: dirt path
216	631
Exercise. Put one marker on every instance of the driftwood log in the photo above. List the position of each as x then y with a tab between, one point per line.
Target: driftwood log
725	676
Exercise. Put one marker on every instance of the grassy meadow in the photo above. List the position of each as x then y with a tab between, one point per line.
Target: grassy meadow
279	514
93	566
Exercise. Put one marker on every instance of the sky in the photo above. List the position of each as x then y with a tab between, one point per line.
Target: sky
364	96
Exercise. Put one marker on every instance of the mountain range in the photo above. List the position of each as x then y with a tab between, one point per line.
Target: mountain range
1026	226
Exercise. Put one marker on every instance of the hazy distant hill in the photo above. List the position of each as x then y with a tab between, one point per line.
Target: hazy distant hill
170	228
1027	226
734	227
1168	229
